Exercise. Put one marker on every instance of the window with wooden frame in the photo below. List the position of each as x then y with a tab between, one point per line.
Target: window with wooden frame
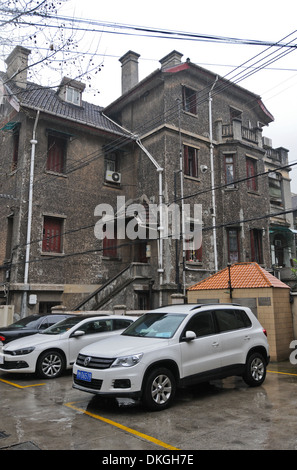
189	100
192	251
256	245
52	241
235	113
190	161
73	95
10	221
233	245
110	249
15	146
251	172
229	165
275	189
194	256
56	153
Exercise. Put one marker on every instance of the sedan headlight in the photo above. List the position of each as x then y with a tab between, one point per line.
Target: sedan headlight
20	352
127	361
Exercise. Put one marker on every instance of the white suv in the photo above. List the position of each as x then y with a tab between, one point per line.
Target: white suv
172	347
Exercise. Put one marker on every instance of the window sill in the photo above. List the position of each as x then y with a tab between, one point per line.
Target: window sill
194	263
51	253
190	114
229	188
112	185
55	173
111	258
254	193
192	178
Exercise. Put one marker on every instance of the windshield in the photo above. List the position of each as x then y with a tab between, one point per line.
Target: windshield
155	325
27	322
62	326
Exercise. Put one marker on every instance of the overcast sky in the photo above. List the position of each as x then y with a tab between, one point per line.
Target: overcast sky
266	20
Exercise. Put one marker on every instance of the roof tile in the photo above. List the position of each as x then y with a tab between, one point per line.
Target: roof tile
243	276
46	99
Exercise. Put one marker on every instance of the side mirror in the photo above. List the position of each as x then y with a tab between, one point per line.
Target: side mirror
77	333
189	335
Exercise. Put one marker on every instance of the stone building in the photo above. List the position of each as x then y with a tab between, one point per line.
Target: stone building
56	152
177	154
206	135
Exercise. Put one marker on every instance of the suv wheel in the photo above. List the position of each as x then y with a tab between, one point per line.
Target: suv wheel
50	365
159	389
255	371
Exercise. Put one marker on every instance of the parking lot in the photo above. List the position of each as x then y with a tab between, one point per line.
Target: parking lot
51	415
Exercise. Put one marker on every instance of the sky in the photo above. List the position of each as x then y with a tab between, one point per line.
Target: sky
266	20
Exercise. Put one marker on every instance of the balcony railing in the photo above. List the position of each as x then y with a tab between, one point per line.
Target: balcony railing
274	154
249	134
244	132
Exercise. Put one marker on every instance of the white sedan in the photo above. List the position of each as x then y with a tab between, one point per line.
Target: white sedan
54	350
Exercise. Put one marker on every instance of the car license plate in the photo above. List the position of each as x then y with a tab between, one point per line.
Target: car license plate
82	375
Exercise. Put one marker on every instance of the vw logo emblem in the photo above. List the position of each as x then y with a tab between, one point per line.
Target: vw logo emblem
87	361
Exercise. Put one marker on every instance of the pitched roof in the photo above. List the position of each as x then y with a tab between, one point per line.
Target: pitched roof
46	99
243	276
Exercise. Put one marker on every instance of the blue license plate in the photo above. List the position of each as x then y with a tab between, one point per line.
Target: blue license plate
82	375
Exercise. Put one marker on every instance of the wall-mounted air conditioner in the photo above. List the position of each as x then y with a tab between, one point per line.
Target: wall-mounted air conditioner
113	176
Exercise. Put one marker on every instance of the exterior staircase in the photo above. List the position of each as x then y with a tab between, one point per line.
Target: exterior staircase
109	290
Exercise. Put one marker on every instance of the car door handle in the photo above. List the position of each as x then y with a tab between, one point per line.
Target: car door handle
246	338
215	344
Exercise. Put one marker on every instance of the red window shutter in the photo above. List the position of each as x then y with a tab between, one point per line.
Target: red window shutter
52	234
15	155
56	154
250	172
194	164
109	247
186	160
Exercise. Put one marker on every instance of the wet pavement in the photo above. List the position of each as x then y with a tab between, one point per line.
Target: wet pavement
223	415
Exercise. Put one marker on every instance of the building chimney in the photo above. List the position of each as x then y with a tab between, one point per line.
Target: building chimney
129	63
17	65
171	60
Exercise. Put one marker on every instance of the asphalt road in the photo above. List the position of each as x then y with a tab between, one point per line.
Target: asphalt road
223	415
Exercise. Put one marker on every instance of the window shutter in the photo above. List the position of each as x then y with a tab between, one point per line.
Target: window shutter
52	233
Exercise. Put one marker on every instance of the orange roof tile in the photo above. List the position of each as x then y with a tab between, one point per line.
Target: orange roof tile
243	276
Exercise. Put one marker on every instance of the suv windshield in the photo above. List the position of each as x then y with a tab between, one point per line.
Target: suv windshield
155	325
62	326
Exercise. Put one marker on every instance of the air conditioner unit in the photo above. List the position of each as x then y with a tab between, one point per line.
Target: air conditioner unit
113	176
267	142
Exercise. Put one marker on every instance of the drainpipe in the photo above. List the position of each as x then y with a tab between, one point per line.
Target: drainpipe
160	228
212	179
33	143
181	172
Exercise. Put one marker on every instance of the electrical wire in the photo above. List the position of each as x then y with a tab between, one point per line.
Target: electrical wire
172	111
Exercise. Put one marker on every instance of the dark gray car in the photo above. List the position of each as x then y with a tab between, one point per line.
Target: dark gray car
30	325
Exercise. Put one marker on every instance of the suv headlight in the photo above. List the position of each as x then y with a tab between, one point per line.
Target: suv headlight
127	361
21	352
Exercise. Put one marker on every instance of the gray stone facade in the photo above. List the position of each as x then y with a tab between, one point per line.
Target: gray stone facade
157	128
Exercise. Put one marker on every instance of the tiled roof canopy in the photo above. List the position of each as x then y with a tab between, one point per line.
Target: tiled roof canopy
46	99
243	276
